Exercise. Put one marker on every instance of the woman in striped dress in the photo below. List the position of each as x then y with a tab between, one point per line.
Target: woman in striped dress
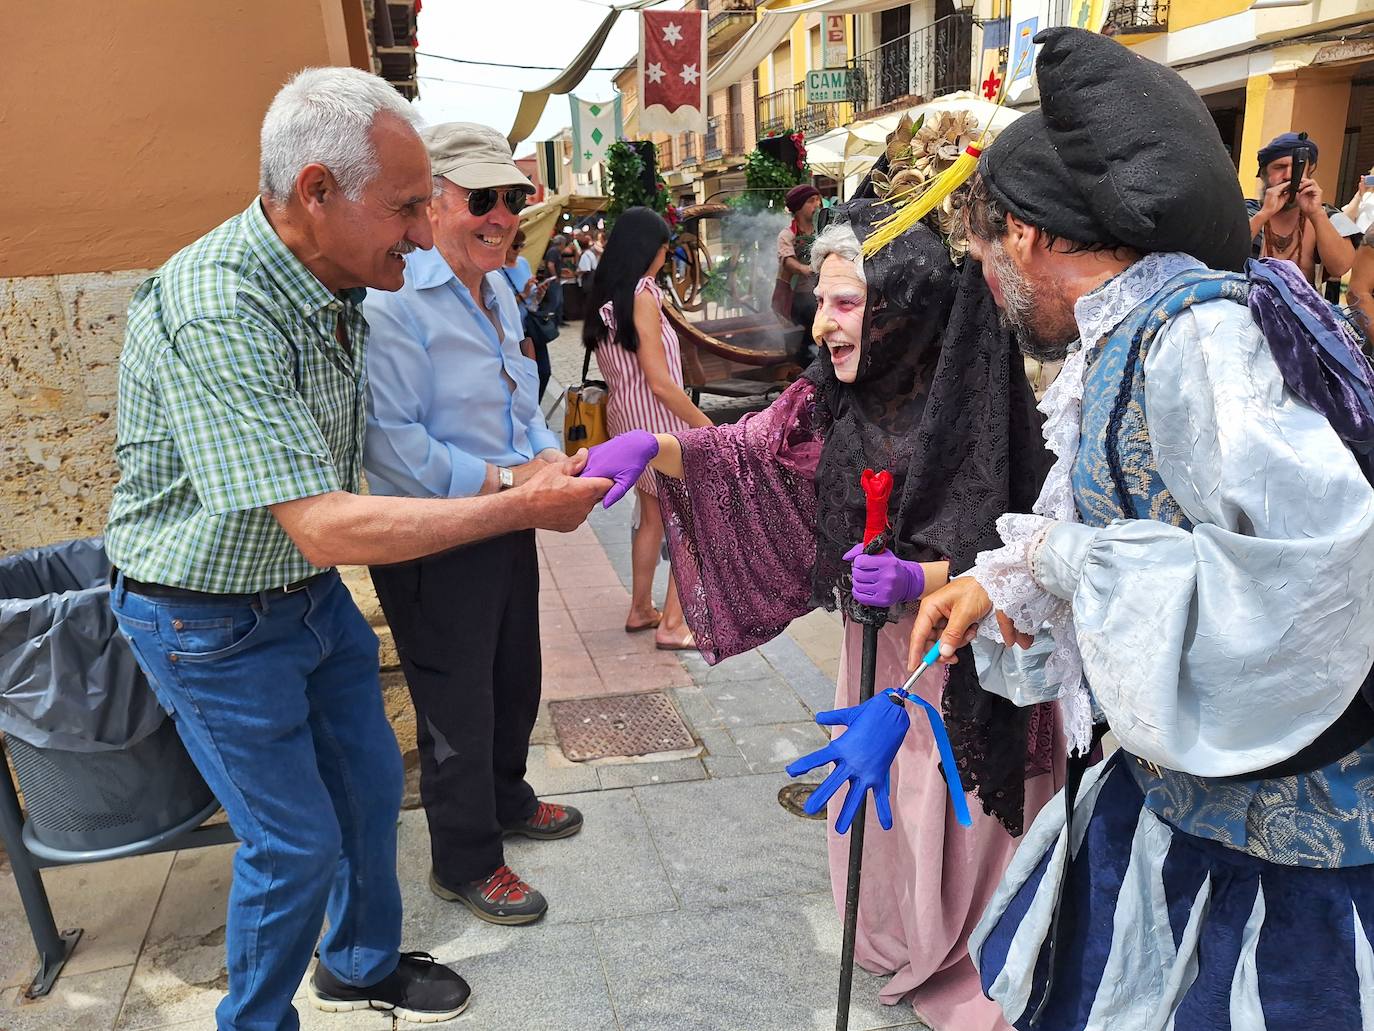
637	352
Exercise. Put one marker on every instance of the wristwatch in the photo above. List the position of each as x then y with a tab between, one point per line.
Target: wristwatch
506	479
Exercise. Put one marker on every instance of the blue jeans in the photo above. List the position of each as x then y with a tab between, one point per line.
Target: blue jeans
279	704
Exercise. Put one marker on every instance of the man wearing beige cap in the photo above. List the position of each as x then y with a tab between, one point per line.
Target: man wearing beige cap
454	412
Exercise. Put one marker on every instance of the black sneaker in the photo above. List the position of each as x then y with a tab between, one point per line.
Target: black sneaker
502	898
419	989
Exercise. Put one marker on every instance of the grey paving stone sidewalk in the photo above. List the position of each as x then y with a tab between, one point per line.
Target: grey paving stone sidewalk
691	900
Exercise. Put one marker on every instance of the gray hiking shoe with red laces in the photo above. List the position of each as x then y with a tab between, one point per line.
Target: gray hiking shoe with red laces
548	821
502	898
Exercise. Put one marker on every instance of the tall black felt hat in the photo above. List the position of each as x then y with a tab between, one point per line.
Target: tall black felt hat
1122	151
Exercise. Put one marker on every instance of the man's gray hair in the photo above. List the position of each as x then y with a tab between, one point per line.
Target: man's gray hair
838	238
325	116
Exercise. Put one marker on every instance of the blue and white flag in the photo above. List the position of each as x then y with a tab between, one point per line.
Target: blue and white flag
595	126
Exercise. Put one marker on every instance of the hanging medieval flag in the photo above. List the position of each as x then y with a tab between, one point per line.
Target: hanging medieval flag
595	126
672	71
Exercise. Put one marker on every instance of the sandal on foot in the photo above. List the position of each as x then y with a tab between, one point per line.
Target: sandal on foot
687	644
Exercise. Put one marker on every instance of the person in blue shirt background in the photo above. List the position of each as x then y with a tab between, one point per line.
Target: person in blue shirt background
453	412
530	293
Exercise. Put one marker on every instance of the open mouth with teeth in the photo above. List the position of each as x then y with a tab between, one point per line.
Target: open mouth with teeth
400	251
494	242
840	351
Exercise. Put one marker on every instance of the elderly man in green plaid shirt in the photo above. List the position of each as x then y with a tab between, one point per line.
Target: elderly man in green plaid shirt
240	437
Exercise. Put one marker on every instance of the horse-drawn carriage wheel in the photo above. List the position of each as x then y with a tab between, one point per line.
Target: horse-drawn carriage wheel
688	263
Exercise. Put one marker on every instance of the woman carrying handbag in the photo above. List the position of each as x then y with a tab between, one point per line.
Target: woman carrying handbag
637	351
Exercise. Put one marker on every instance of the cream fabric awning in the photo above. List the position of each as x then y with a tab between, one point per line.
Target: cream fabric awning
840	152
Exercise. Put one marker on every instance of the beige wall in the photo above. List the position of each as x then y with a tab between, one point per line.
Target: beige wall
128	129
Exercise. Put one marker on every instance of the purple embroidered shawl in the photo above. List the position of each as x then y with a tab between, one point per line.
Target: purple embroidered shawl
741	524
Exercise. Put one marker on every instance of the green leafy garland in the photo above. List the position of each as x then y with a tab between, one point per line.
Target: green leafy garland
625	168
768	181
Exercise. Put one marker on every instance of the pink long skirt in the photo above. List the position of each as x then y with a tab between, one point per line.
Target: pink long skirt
926	881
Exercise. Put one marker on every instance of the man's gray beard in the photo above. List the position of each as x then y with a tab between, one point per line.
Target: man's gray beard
1033	347
1018	311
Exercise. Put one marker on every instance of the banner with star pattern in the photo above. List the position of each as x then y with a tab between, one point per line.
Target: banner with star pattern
672	71
595	126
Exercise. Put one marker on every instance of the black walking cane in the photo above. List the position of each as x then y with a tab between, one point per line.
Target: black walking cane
877	490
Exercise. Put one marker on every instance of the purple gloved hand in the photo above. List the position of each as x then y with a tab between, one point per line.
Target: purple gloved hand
883	579
621	459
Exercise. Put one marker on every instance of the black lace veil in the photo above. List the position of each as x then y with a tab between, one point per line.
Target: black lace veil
942	402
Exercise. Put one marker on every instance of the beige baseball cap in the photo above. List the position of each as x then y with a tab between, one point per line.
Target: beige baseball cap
472	156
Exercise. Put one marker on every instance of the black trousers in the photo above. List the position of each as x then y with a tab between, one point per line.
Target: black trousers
466	624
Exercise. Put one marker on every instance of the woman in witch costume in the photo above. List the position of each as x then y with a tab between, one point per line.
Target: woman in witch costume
916	376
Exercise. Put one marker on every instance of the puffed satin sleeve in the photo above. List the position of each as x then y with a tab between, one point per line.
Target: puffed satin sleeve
1225	649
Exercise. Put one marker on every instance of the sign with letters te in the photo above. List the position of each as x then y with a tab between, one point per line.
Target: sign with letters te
835	47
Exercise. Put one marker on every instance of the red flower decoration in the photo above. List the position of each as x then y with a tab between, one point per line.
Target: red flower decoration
991	85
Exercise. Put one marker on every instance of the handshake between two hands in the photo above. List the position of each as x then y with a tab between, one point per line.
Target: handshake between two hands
622	460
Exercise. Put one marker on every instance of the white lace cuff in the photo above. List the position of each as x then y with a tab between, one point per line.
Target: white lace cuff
1005	574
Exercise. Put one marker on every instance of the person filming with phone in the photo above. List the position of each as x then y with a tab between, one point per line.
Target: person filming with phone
1288	221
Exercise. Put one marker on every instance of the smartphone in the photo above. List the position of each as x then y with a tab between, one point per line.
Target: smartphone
1300	159
1369	180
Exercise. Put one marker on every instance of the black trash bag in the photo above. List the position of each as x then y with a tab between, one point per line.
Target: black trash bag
68	680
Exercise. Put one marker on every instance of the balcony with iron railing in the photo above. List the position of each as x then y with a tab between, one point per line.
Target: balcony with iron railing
724	135
813	119
775	112
920	66
728	20
687	150
1128	17
786	110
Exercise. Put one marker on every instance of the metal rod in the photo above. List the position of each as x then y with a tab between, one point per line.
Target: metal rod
53	946
868	675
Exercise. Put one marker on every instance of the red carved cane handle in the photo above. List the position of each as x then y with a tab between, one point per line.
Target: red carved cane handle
877	490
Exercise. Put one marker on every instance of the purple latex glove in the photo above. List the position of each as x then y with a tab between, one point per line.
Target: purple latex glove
883	579
862	756
621	459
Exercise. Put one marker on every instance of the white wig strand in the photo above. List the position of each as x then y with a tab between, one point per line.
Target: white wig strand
325	116
838	238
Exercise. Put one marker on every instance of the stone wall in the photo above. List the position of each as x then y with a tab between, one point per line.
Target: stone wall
60	338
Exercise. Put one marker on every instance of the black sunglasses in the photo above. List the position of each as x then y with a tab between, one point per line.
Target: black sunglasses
482	201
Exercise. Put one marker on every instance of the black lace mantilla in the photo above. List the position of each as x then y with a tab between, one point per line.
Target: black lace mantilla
941	400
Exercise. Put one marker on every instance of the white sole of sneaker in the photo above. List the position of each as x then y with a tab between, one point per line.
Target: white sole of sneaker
350	1006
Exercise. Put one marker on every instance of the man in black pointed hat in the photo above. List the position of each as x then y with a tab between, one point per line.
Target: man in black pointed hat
1196	569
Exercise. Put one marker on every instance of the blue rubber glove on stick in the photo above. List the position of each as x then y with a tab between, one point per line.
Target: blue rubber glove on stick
865	760
862	756
622	459
883	580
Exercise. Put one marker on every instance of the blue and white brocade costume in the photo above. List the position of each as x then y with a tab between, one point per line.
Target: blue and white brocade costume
1220	628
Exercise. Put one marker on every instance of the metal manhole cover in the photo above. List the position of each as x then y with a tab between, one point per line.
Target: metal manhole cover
631	724
793	796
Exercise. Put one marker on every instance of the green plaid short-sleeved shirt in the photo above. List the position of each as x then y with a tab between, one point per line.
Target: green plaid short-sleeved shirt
234	394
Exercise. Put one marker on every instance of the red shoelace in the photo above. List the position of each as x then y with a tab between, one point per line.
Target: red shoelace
547	815
504	885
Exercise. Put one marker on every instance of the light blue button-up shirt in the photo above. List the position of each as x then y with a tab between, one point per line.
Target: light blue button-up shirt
440	406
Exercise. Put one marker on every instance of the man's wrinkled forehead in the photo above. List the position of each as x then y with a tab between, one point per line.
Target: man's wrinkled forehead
405	168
